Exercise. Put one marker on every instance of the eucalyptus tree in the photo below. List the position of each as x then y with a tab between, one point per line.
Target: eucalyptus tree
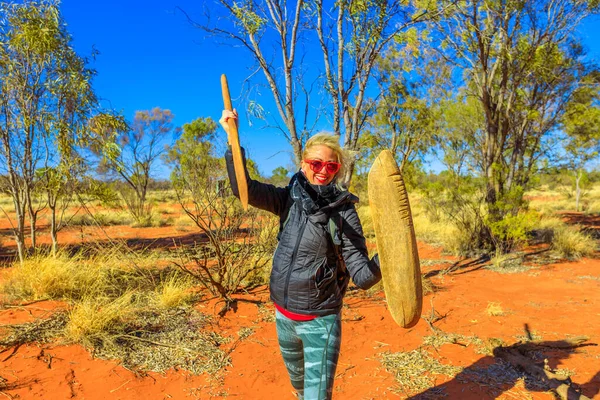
196	169
333	45
279	176
581	123
353	35
45	100
522	62
135	151
412	84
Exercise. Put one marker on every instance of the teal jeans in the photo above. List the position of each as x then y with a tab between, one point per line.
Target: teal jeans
310	351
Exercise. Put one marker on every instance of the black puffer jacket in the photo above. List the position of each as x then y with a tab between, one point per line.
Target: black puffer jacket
306	278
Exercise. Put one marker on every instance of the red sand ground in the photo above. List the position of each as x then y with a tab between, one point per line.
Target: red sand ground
555	301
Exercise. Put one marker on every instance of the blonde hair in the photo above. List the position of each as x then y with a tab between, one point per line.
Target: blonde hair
333	142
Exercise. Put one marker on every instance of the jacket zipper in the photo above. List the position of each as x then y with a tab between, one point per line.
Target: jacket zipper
294	254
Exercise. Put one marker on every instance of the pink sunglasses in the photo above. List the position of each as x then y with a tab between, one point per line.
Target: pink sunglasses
330	166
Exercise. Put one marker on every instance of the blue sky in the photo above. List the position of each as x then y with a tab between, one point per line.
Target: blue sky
151	56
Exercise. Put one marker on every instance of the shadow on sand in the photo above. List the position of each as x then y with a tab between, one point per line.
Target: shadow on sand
534	362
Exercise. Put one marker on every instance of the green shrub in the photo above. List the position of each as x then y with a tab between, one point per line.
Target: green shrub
512	231
162	221
144	221
105	193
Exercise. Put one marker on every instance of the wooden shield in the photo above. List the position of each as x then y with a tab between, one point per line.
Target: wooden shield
234	141
396	243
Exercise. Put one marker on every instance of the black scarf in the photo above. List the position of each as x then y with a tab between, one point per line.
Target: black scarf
312	197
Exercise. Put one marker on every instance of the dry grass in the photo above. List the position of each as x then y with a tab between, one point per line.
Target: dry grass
564	200
550	223
529	336
548	201
122	306
6	203
441	338
593	207
364	214
499	376
266	313
427	285
439	233
590	277
142	339
496	376
258	276
154	220
169	208
175	291
435	233
177	338
108	272
510	263
100	218
96	319
184	224
415	370
42	330
494	309
549	208
161	221
61	278
571	243
162	196
591	204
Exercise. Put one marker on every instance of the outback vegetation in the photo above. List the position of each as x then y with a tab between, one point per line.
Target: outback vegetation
147	272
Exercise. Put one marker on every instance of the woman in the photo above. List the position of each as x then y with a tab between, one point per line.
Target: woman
308	281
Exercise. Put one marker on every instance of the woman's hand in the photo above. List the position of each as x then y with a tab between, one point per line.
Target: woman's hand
225	117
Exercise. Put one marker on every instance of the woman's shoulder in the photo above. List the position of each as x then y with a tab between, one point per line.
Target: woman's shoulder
346	200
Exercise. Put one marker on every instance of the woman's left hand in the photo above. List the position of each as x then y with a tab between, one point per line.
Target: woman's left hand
225	117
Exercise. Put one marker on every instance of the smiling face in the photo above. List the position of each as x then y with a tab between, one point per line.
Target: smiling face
323	153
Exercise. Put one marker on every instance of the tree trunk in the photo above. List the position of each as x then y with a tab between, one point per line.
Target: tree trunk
32	232
20	247
32	220
578	189
348	173
19	231
297	148
53	231
20	234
